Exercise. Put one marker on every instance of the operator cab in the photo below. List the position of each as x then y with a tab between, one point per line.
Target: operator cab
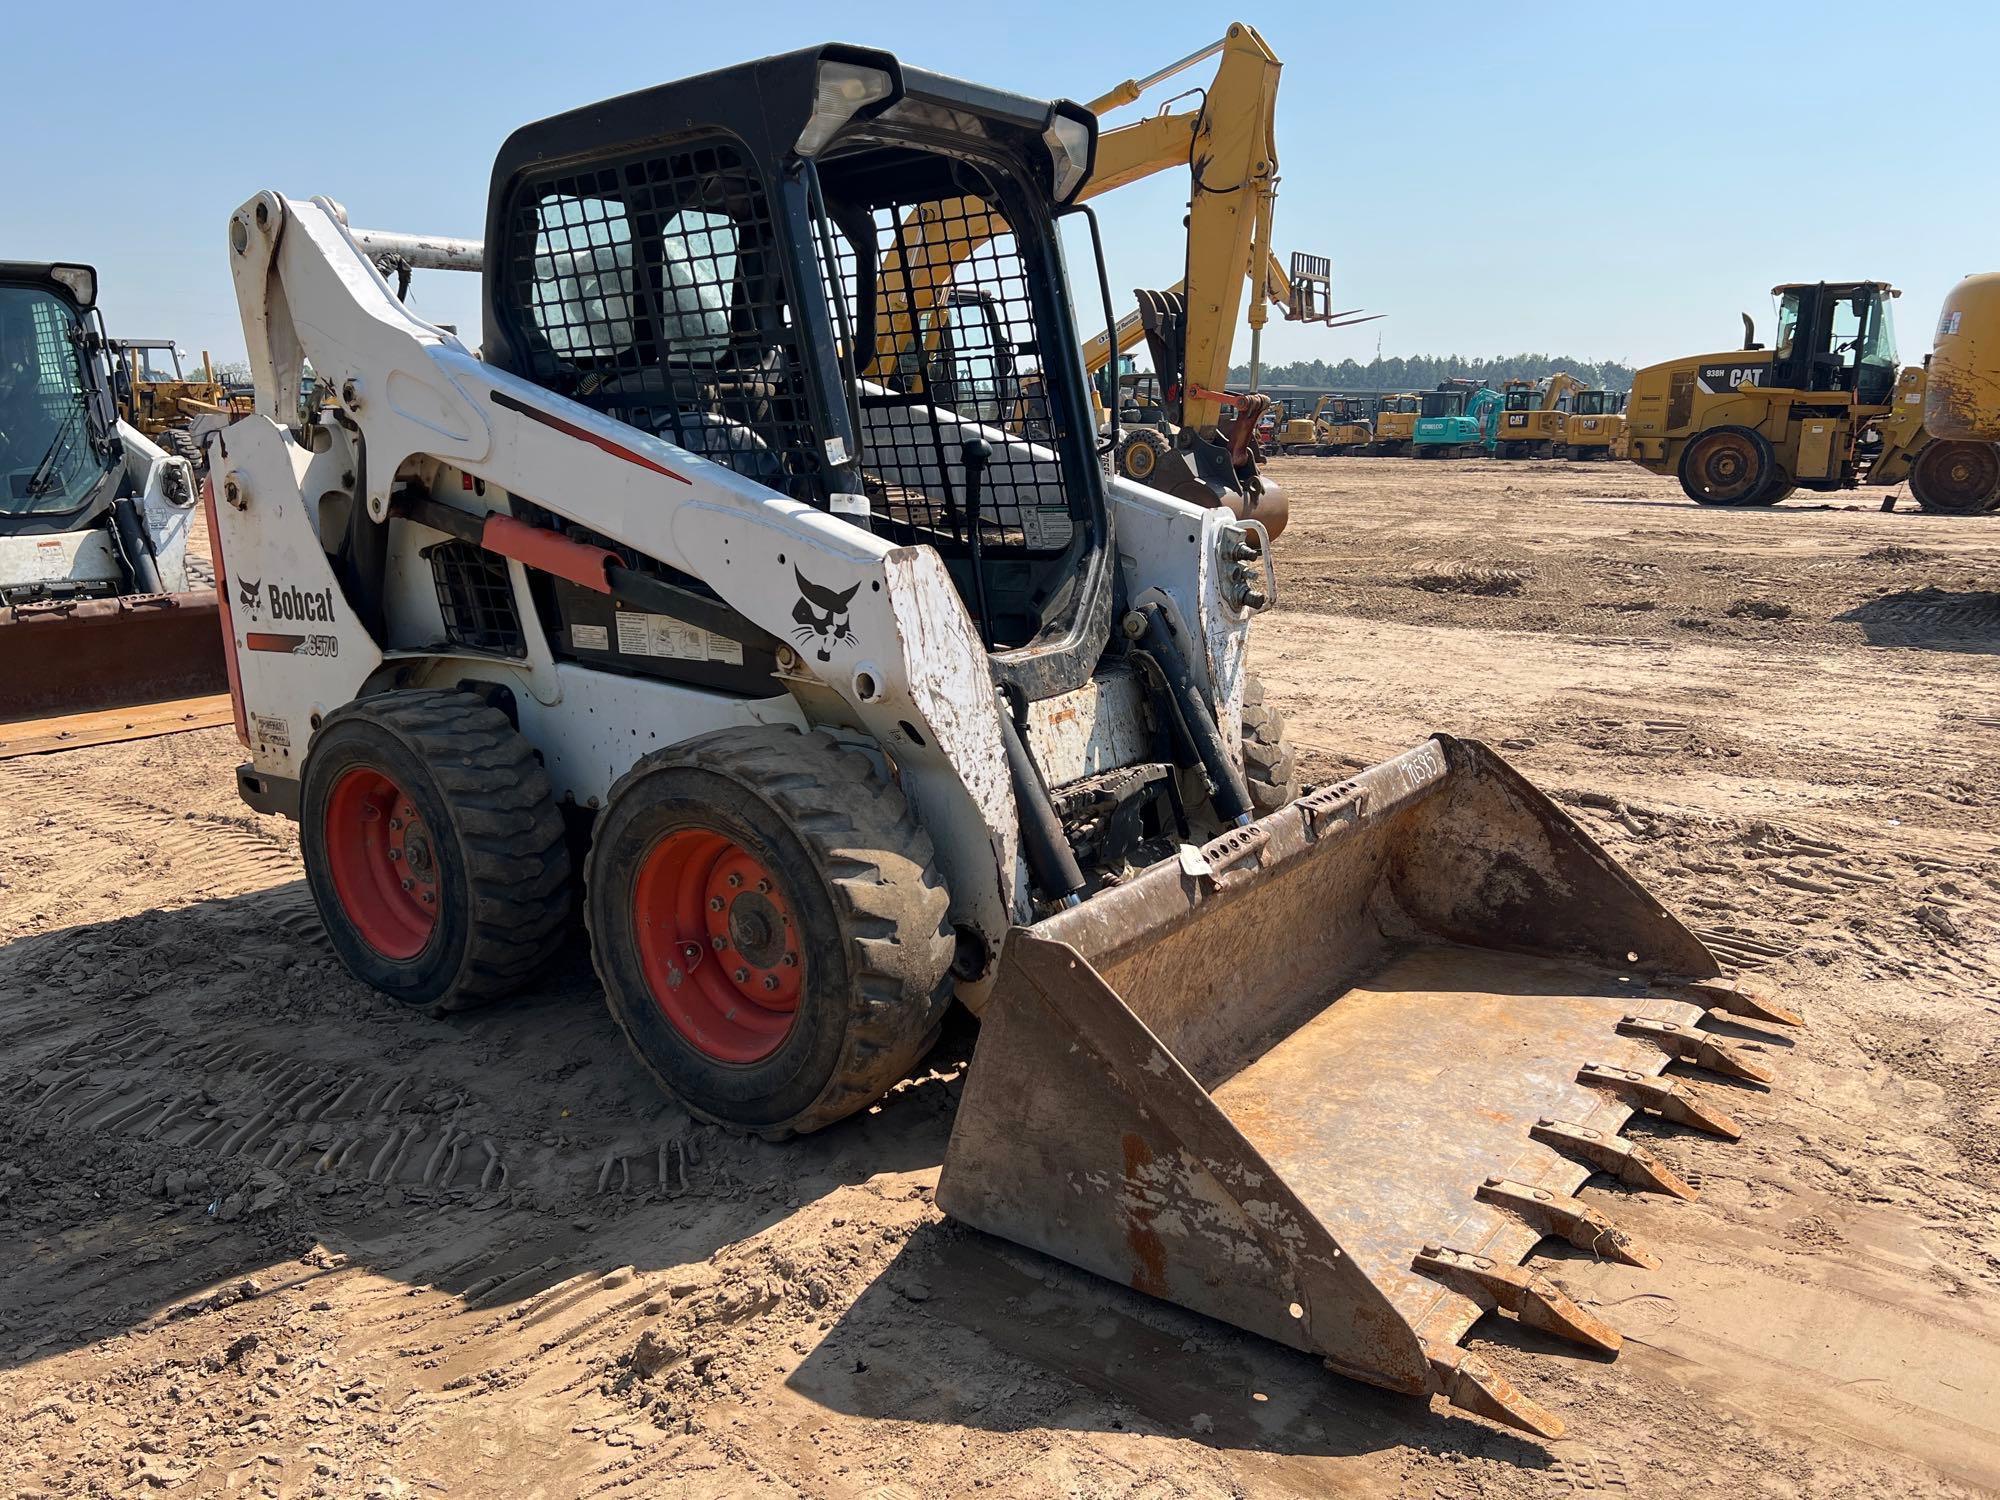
1404	404
1443	403
60	457
1836	336
151	361
842	285
1595	403
1522	398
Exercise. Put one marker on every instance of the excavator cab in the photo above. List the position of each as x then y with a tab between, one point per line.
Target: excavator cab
1836	337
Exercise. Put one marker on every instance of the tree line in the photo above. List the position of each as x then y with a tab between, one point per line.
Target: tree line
1423	372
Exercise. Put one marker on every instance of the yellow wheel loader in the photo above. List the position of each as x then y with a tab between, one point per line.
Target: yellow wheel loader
97	606
1593	425
1827	409
864	703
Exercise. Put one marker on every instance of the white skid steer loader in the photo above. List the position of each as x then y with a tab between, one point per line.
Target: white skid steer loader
863	700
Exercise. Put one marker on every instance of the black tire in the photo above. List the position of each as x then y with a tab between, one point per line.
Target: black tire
860	874
1141	451
1728	466
494	845
1270	764
1956	478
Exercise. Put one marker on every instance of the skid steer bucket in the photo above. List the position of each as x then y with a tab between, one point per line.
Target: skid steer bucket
1332	1077
67	656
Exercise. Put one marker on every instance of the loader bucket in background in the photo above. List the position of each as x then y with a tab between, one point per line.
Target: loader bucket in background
1333	1077
70	656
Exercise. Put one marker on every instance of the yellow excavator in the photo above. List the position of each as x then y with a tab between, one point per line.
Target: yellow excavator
1593	425
1396	423
1532	415
1203	448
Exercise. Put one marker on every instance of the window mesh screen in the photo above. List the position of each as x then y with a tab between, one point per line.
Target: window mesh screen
651	289
956	355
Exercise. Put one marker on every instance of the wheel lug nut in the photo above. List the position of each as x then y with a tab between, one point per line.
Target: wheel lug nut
395	854
715	903
790	960
735	879
742	976
764	886
408	884
770	981
720	943
395	822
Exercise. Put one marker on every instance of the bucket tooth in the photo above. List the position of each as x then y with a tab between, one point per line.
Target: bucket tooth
1560	1216
1528	1295
1628	1161
1668	1098
1698	1047
1751	998
1471	1383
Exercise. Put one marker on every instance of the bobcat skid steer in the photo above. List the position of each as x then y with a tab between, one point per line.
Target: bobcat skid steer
96	605
862	701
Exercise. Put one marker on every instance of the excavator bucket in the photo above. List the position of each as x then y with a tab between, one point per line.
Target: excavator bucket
1332	1077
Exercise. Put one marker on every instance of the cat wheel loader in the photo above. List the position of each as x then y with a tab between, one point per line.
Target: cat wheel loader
1826	410
861	702
96	605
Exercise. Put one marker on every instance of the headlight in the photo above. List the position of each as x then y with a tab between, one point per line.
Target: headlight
844	89
1068	140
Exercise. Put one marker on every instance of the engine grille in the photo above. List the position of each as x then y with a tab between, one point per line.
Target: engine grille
476	599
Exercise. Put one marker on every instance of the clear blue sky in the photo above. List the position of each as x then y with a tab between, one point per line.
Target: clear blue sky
1602	181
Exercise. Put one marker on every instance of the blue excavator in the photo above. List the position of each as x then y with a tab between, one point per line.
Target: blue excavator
1460	419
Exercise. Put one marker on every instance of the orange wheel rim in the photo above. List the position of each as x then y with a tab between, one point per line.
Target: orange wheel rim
383	862
718	941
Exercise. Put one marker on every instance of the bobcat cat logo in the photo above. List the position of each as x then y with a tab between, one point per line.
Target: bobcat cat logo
821	614
248	591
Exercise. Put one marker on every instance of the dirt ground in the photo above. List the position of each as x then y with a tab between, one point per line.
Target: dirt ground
263	1233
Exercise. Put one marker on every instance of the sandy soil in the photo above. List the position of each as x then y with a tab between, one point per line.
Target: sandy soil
263	1233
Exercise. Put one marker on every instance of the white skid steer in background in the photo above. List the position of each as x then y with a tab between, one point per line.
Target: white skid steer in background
861	700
